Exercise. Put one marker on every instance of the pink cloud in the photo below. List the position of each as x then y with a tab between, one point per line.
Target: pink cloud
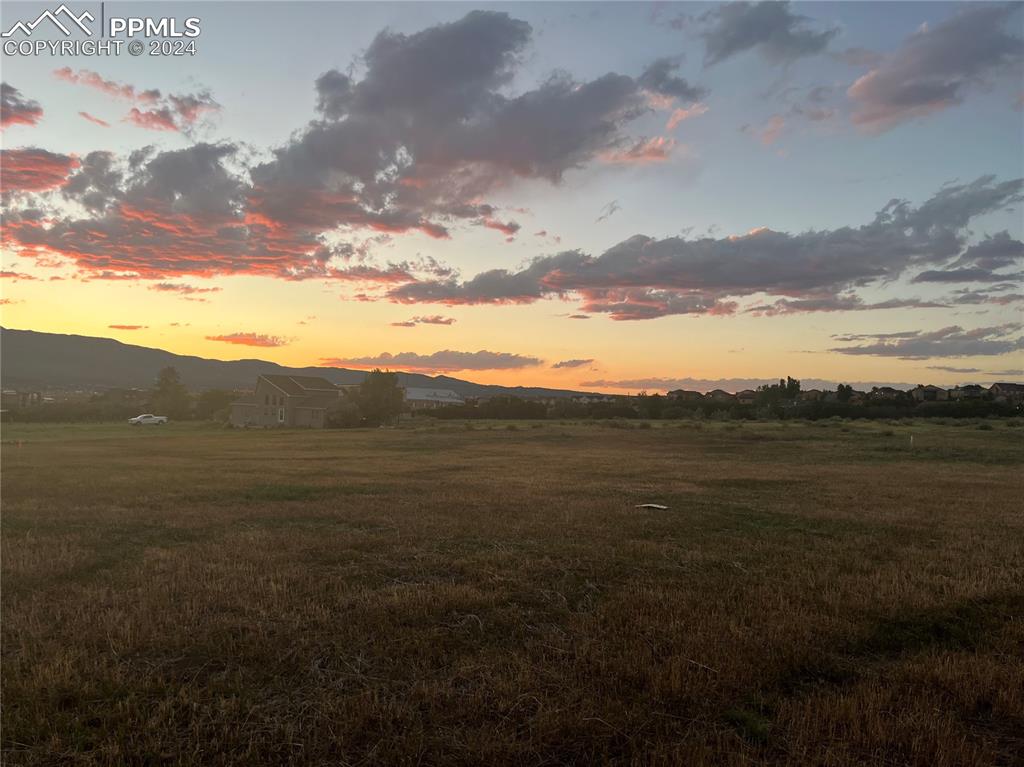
680	115
249	339
92	79
34	170
92	119
154	119
643	152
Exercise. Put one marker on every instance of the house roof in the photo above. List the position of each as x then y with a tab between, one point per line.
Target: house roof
1010	386
300	384
317	401
416	394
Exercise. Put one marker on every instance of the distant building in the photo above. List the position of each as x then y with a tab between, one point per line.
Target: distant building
746	397
885	393
684	395
970	391
720	395
17	399
590	399
282	400
1007	392
811	395
929	394
428	399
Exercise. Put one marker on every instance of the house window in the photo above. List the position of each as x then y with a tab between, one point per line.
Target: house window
266	399
280	415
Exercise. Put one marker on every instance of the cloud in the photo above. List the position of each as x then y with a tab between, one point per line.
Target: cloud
9	275
250	339
127	327
93	119
952	341
508	228
608	211
685	113
432	319
996	295
993	252
430	130
937	68
848	302
173	112
770	132
659	79
415	144
152	119
34	170
15	109
572	364
113	88
948	369
641	152
848	337
643	277
441	361
768	27
970	274
185	290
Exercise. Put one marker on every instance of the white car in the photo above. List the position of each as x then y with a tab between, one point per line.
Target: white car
148	419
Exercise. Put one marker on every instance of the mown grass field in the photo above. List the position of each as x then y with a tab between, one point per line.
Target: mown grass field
816	594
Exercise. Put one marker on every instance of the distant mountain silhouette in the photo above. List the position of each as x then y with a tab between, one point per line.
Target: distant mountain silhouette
31	359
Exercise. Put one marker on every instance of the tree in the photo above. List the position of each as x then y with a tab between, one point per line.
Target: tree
380	397
214	402
344	414
844	392
170	397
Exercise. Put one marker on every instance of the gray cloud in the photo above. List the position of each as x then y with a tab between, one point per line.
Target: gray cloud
15	109
952	341
770	27
414	143
571	364
432	319
659	78
608	211
429	130
968	274
848	302
441	361
936	68
995	252
949	369
643	277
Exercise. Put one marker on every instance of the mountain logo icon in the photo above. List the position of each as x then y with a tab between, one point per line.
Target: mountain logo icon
55	17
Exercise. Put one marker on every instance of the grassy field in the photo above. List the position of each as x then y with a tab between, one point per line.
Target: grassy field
816	594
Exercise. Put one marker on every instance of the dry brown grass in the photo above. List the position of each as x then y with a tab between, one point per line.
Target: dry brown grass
816	594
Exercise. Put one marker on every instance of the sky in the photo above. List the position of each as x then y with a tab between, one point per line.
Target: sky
597	196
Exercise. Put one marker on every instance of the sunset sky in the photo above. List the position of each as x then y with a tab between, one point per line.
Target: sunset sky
599	196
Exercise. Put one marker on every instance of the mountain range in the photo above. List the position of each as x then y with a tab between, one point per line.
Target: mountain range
31	359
